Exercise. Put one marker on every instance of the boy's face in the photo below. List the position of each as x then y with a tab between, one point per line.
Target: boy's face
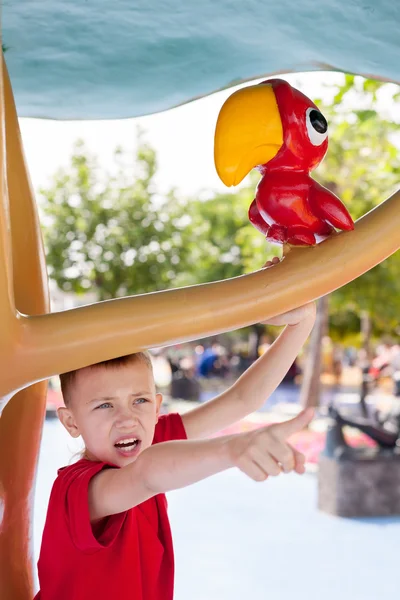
115	410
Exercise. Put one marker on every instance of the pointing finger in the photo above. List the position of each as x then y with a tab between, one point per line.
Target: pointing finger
288	428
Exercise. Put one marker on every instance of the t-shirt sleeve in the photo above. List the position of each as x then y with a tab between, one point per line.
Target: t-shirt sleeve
169	427
74	485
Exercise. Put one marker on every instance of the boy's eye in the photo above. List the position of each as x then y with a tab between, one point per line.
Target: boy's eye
104	405
140	400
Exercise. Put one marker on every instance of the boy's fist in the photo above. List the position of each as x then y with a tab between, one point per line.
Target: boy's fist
295	316
265	452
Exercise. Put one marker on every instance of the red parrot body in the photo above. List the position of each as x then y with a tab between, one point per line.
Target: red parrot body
291	207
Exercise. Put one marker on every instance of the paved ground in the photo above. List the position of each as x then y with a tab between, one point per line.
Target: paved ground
235	539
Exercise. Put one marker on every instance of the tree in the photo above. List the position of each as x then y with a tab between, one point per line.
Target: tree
361	167
225	244
111	233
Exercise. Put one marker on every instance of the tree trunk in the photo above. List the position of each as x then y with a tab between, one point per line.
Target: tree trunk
255	336
311	384
364	363
366	327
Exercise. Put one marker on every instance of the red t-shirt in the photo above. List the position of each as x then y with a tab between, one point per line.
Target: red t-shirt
128	555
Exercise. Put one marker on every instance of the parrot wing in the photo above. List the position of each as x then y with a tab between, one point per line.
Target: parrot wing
256	219
325	205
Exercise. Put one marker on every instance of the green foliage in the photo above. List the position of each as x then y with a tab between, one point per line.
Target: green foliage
222	241
362	167
110	233
113	235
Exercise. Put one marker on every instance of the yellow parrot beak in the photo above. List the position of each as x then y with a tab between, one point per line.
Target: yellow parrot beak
248	133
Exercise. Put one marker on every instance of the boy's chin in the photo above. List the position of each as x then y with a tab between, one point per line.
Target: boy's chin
123	462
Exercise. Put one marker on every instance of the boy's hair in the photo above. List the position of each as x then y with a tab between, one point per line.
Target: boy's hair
67	379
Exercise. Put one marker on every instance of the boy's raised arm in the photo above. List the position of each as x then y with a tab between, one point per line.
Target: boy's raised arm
254	387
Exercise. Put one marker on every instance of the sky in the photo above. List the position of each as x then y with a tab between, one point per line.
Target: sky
183	138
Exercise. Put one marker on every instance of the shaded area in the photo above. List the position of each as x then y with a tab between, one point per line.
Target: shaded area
99	59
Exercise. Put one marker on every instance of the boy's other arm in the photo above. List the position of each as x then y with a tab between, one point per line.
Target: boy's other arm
254	387
173	465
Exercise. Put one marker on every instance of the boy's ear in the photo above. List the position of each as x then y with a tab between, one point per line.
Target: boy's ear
159	399
67	419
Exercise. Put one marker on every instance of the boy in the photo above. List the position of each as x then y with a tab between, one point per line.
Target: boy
107	533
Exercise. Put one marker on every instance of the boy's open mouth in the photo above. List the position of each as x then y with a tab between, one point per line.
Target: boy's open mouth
127	445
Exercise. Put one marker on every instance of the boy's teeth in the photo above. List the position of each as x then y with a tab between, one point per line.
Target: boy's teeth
127	442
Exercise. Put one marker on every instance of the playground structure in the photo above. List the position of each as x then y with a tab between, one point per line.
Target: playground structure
32	336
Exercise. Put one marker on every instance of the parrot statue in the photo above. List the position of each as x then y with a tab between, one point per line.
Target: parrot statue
274	127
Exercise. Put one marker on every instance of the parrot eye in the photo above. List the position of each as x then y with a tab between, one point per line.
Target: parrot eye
317	127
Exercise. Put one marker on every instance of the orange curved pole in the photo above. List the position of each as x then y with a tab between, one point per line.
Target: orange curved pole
21	420
106	329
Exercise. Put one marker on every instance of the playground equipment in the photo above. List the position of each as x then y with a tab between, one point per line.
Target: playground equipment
118	59
277	129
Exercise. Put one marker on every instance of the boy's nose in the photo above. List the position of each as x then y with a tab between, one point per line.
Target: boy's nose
125	419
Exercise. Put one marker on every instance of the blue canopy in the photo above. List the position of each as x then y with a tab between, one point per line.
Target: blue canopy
91	59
